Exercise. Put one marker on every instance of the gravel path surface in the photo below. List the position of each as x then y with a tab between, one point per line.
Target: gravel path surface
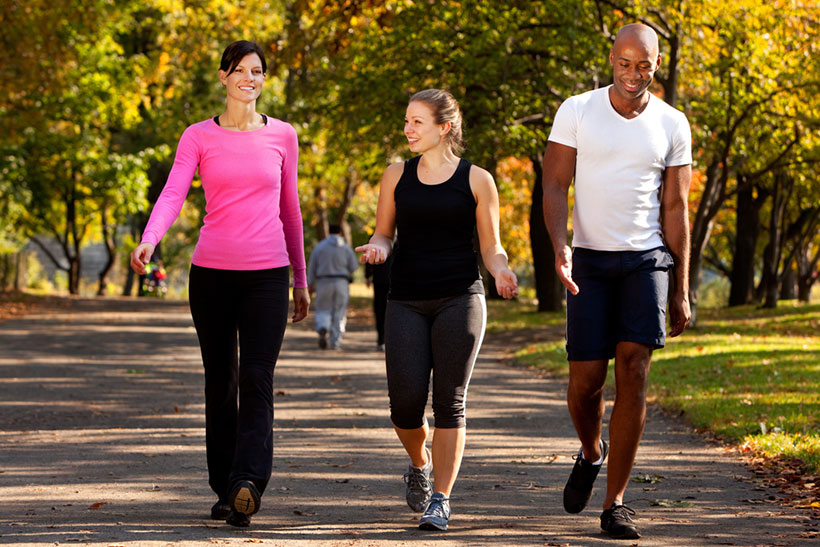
102	443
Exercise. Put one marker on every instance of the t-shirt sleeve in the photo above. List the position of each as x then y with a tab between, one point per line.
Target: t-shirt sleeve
565	125
170	201
680	152
290	212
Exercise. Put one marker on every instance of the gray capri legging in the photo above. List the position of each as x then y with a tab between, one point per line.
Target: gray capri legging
441	337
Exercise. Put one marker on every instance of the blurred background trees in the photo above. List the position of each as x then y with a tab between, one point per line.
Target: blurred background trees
97	93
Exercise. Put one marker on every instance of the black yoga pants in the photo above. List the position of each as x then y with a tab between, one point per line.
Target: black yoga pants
254	305
439	337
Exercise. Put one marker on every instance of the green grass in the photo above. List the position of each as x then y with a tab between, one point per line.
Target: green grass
750	376
506	315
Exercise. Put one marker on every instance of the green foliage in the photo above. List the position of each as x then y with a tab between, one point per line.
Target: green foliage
113	84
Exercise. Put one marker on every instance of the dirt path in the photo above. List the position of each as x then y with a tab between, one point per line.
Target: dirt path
102	443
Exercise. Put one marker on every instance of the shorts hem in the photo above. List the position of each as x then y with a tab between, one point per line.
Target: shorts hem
654	343
589	355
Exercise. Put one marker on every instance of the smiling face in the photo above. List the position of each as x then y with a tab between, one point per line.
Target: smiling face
420	128
634	58
245	82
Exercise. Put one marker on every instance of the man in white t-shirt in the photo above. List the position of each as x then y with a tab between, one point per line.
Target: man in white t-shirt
630	156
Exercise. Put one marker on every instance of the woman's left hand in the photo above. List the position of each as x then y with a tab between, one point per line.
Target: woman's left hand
301	304
506	283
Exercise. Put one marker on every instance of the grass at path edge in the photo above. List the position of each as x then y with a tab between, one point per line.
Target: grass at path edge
750	376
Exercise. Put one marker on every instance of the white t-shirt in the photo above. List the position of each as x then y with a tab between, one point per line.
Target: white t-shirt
619	167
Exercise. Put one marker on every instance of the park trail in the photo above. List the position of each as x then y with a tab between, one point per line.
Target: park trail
102	443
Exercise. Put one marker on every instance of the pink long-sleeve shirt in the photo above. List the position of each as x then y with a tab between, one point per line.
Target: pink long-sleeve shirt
252	215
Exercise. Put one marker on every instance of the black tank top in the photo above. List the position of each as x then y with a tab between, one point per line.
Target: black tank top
434	255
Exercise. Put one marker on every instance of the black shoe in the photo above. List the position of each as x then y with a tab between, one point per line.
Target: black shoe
240	520
617	522
244	498
323	338
220	510
579	486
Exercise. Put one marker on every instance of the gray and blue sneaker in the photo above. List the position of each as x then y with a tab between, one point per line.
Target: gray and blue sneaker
418	489
436	514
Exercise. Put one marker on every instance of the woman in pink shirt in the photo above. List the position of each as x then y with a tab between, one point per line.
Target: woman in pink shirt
239	279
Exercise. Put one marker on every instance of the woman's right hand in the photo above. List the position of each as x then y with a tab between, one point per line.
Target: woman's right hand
372	253
141	256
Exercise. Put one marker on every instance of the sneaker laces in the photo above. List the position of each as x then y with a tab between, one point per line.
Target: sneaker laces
436	508
623	512
417	480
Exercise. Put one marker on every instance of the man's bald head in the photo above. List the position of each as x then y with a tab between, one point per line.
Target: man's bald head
637	34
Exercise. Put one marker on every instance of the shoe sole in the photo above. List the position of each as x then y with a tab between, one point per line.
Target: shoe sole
244	501
432	527
626	535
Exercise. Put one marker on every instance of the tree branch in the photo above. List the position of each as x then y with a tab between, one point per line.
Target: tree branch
49	254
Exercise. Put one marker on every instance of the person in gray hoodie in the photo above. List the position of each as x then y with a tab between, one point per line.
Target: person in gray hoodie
330	270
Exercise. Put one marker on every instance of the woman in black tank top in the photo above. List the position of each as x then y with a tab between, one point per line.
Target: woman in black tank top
436	312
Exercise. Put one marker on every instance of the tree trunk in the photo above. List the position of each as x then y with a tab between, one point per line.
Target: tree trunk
136	221
548	288
710	203
128	286
804	286
17	260
71	239
351	184
670	83
747	230
771	259
4	282
321	214
788	286
108	233
806	274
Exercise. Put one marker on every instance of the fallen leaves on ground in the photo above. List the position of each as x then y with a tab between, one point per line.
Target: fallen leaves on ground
794	486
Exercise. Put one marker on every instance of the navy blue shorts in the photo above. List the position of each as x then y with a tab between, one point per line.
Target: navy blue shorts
621	298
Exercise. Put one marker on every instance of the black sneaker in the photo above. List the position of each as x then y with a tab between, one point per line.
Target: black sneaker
220	510
617	522
245	500
436	514
418	489
323	338
240	520
579	486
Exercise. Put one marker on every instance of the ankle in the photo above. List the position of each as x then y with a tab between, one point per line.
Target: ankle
596	458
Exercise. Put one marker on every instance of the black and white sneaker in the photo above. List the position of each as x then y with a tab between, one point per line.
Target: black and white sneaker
579	486
617	522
